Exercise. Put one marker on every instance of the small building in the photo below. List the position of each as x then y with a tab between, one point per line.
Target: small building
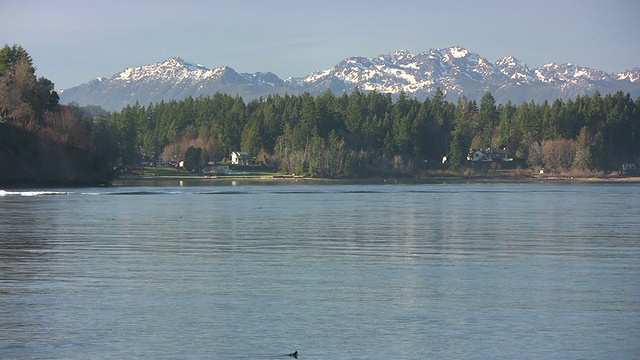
628	169
240	158
161	163
489	154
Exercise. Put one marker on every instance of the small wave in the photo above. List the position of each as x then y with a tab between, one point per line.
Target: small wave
364	192
323	192
143	193
224	193
297	192
32	193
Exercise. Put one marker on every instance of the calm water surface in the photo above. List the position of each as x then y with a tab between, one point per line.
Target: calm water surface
433	271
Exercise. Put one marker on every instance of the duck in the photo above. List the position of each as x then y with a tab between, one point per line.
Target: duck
294	354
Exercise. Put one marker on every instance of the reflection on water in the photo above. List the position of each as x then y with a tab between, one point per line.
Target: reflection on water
333	271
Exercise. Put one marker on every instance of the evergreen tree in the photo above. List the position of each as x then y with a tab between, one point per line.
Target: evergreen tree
401	125
253	134
23	96
584	156
50	137
458	152
368	134
193	160
509	135
487	118
9	58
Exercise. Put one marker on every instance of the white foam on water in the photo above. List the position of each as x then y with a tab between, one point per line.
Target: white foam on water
31	193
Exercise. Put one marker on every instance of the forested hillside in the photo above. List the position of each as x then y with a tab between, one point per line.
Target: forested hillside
41	141
359	135
347	135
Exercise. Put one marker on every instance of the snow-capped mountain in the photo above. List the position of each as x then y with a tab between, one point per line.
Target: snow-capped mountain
455	70
515	70
450	69
168	80
630	75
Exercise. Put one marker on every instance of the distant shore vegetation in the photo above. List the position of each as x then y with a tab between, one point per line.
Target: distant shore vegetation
356	135
42	141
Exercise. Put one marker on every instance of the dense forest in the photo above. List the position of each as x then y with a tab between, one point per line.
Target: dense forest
368	134
42	141
360	134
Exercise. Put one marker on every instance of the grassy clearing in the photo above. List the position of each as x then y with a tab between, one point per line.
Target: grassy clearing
169	172
147	171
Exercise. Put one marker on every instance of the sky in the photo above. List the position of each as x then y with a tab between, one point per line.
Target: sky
74	41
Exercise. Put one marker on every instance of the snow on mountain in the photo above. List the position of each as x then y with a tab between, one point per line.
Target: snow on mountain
569	73
457	71
629	75
177	70
404	71
458	52
174	78
514	69
454	70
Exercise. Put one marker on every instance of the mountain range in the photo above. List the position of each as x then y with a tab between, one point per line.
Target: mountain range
455	70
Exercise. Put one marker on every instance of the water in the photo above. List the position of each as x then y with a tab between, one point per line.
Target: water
433	271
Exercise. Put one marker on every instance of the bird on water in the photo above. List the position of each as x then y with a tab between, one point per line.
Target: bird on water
294	354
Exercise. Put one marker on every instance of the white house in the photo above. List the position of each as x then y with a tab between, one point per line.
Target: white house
240	158
489	154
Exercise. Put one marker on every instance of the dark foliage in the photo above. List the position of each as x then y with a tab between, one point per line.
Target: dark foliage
359	135
351	135
42	142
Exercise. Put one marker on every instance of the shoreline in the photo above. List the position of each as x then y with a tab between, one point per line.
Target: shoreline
390	180
189	180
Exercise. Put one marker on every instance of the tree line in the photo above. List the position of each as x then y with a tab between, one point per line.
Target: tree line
358	134
369	134
42	141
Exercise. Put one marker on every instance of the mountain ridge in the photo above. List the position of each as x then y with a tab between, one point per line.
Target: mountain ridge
455	70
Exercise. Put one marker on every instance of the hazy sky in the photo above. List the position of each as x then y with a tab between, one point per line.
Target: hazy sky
73	41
